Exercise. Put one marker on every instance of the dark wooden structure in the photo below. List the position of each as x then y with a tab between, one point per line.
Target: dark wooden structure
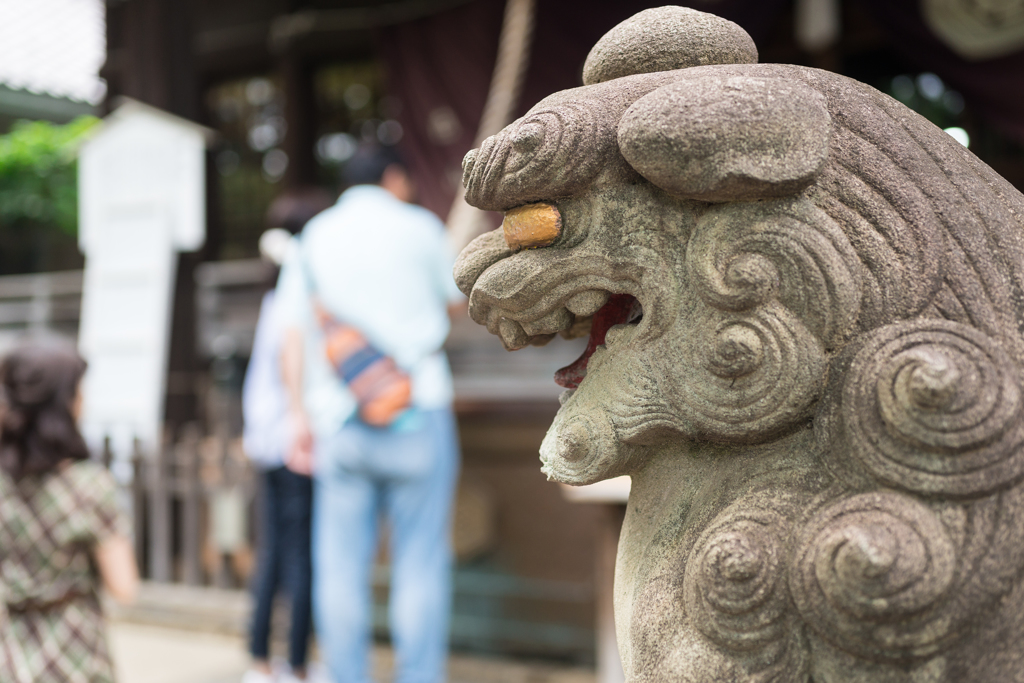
277	78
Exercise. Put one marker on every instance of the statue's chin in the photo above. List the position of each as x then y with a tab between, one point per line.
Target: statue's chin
582	445
605	424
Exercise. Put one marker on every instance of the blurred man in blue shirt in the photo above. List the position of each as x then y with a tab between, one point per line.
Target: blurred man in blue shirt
379	264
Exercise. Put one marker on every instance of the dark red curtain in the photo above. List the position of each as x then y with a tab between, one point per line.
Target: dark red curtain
443	64
440	69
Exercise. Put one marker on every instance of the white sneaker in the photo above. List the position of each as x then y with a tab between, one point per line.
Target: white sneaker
254	676
316	672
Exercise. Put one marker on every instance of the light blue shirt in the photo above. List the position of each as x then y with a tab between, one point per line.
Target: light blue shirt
384	267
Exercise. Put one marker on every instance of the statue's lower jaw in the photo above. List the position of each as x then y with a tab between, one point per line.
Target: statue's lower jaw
618	311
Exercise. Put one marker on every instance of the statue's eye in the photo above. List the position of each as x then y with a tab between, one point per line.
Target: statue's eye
532	226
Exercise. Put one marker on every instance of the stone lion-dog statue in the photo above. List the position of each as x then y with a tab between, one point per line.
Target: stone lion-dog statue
805	309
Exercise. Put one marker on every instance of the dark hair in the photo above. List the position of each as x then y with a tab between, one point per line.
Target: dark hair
37	429
292	209
367	165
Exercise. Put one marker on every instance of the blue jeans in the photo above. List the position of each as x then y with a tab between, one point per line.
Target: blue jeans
284	562
409	477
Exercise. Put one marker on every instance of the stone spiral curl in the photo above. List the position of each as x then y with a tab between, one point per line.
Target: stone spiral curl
735	584
872	575
762	372
539	156
934	407
743	255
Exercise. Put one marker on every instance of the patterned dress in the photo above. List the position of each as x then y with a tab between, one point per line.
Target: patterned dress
51	626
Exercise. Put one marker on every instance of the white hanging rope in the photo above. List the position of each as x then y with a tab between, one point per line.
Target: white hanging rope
465	221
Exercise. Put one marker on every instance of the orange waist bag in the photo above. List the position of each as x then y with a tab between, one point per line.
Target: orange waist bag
381	389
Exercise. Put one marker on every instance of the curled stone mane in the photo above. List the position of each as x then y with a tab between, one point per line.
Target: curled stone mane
949	226
805	307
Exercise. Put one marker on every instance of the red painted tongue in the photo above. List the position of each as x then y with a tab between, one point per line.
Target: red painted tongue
616	312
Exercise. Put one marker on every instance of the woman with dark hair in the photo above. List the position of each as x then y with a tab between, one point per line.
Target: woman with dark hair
283	563
61	531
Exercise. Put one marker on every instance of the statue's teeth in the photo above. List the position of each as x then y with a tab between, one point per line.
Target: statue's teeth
541	339
587	303
618	333
556	320
512	335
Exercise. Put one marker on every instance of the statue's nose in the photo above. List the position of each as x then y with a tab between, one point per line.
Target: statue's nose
468	162
479	255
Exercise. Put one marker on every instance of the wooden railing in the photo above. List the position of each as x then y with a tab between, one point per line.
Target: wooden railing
192	508
39	303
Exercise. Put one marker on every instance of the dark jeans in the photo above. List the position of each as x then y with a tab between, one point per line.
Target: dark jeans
284	562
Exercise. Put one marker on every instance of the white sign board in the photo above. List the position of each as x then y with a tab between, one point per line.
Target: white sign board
141	189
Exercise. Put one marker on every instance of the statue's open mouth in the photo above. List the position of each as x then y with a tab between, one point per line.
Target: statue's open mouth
526	290
621	310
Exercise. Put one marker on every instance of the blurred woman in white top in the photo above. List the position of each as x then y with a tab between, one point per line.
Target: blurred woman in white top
284	555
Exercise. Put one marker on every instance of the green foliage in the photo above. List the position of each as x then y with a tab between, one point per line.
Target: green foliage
38	180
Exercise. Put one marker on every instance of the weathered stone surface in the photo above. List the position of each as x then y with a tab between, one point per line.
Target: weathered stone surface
730	138
806	307
564	144
665	39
